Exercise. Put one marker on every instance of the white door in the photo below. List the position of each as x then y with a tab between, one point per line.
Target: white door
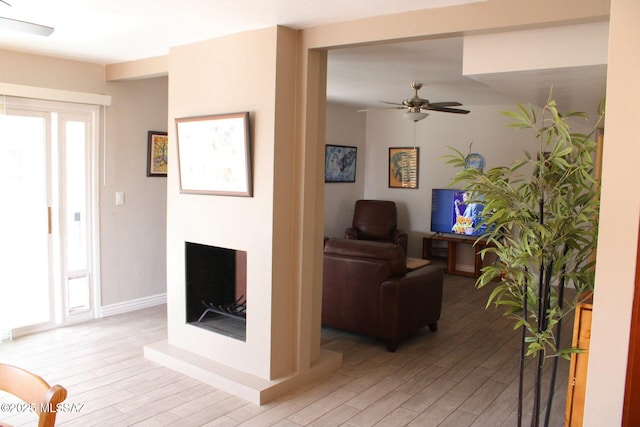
47	220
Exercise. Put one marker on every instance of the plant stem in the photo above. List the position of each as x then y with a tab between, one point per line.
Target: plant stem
554	371
543	324
522	353
535	421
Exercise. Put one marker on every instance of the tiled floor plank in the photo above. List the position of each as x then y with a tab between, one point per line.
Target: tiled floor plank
465	374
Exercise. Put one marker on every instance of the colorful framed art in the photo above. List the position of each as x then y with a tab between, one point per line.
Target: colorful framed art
403	167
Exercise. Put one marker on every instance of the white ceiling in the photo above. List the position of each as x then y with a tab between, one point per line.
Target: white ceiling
363	76
111	31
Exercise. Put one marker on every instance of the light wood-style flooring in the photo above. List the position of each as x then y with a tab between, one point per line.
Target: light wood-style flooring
465	374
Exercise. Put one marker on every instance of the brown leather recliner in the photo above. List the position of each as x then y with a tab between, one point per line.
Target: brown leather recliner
377	220
367	289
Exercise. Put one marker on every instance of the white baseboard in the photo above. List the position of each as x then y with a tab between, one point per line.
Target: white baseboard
132	305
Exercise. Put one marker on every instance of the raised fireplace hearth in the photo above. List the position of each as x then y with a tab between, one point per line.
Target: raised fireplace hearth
216	287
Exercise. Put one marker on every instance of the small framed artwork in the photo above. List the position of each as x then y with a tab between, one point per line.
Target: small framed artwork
214	154
340	163
157	152
403	167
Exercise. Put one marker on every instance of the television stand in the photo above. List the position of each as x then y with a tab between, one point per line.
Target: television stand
452	248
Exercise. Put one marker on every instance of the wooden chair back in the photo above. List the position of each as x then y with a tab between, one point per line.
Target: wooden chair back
33	390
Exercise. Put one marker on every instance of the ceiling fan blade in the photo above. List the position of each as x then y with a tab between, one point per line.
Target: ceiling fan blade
445	104
26	27
381	108
392	103
446	110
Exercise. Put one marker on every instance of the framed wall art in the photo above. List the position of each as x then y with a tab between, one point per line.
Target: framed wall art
403	167
214	154
340	163
157	152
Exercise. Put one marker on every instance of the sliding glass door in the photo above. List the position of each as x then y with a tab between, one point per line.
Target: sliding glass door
47	220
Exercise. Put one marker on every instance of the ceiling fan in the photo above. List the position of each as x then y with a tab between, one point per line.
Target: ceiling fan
26	27
415	105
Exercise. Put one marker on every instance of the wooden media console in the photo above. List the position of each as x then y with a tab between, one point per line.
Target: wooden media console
452	242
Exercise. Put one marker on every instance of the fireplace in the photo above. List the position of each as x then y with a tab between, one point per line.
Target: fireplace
216	287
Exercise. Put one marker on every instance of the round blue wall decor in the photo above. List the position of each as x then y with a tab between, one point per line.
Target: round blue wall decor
475	161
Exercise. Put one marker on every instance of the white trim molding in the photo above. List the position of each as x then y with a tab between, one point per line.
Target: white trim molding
131	305
22	91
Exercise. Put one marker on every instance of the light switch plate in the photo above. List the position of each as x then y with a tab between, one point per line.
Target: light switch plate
119	197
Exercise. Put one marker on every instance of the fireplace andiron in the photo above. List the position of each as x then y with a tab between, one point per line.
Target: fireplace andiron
237	309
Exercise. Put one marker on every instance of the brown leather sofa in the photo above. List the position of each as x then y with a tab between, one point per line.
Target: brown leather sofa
376	220
368	290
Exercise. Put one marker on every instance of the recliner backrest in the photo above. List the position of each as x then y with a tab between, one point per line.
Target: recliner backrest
388	252
375	219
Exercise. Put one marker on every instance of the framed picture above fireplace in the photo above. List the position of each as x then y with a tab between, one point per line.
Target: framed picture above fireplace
214	154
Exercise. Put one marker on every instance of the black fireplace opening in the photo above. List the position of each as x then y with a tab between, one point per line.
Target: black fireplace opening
216	297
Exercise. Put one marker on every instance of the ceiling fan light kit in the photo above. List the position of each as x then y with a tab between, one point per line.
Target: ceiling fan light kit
415	116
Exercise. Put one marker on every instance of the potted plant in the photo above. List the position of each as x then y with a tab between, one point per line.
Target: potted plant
541	223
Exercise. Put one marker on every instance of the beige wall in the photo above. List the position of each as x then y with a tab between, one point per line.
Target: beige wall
345	126
618	232
476	18
225	81
53	73
133	235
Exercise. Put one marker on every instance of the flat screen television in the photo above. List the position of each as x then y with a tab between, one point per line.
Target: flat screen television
452	213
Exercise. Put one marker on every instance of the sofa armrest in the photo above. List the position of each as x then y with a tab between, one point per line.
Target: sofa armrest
351	233
399	234
401	238
411	301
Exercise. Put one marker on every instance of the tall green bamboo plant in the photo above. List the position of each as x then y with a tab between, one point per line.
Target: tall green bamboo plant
541	215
